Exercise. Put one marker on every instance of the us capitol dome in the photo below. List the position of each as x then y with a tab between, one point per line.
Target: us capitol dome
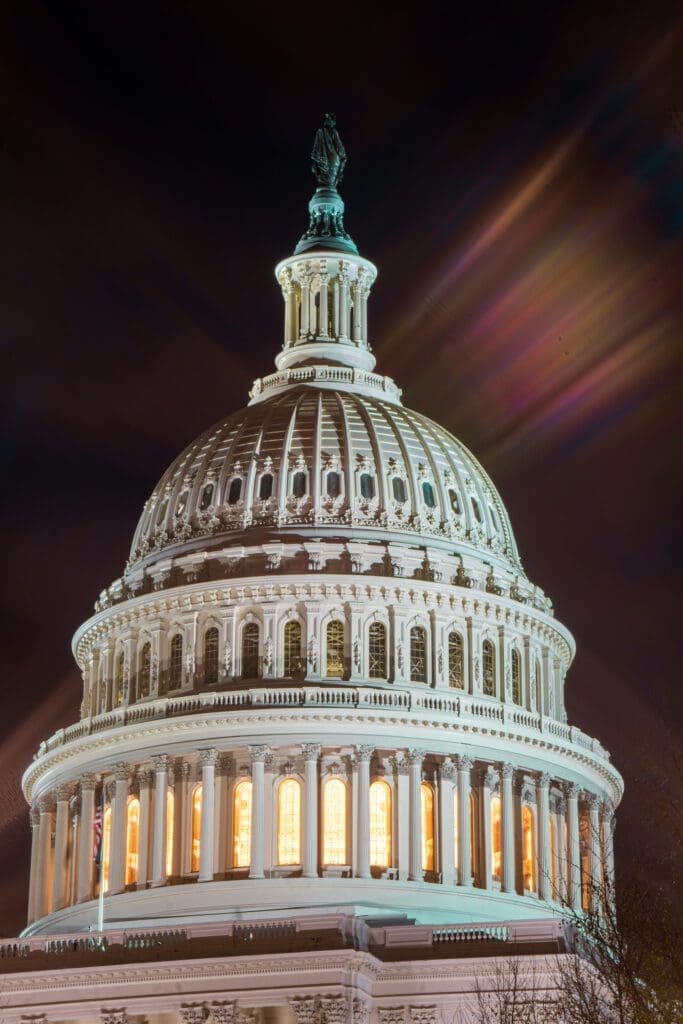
324	684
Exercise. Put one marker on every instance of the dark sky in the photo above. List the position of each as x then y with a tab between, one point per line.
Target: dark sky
516	172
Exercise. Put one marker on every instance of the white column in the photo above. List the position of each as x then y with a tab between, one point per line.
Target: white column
145	778
74	822
464	764
488	782
322	326
206	843
574	866
447	830
305	304
258	774
507	828
415	873
357	312
364	314
335	308
223	827
343	304
545	889
311	752
607	821
561	894
86	842
364	754
402	819
117	863
60	870
44	877
159	825
35	853
595	852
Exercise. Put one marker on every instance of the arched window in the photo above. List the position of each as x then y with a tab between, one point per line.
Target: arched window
528	849
175	665
398	488
145	669
170	830
299	485
456	662
516	667
454	500
476	509
496	838
418	655
289	822
427	808
333	485
428	494
334	822
488	657
367	486
105	851
265	487
250	642
291	663
132	839
335	649
377	651
235	490
241	824
211	656
196	827
207	495
380	824
118	680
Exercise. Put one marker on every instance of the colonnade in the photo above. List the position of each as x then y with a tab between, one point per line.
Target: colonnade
326	300
310	811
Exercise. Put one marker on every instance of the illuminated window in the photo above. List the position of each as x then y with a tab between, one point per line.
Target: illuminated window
132	840
489	668
145	669
333	485
265	487
207	495
118	680
418	655
170	830
516	665
367	486
196	827
456	662
235	490
299	485
334	822
428	494
289	822
377	651
241	824
399	489
175	666
291	664
250	641
211	656
335	649
454	500
427	807
380	824
528	849
496	838
105	852
476	509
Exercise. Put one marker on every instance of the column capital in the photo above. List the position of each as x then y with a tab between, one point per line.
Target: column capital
489	779
464	762
46	804
415	756
160	762
63	792
593	801
224	765
572	790
193	1013
87	782
34	815
122	771
224	1013
607	809
544	780
507	770
447	769
145	777
364	751
208	757
311	751
400	764
259	752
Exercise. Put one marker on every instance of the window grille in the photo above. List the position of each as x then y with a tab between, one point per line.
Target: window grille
250	644
235	491
334	822
489	668
456	662
377	651
380	824
516	667
211	656
175	668
418	655
292	650
289	822
335	649
241	825
145	669
367	486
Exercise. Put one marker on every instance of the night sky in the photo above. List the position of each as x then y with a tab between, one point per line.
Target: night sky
516	173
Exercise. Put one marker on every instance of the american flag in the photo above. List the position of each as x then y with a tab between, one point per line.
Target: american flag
97	831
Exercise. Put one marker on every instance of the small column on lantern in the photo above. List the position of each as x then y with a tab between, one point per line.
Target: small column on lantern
364	754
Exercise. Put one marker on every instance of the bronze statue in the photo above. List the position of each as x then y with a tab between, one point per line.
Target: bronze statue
328	155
